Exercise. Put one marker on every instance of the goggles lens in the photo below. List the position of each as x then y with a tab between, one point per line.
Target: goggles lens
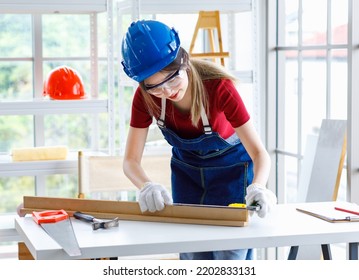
171	82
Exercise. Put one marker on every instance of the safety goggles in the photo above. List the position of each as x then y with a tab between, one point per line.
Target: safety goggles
168	84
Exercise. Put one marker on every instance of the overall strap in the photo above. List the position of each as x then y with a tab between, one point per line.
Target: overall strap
161	120
207	129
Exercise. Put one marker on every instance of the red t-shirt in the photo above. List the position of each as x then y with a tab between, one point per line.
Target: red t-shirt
226	108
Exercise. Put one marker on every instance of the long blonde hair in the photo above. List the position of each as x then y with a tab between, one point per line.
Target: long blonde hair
198	70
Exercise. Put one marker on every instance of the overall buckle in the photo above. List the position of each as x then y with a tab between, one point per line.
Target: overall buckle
160	123
207	129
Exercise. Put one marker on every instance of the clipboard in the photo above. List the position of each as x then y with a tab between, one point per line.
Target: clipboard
327	212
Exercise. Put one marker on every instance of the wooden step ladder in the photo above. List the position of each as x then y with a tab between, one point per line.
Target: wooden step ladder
209	21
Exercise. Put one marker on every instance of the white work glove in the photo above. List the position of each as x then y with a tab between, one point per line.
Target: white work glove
259	195
153	197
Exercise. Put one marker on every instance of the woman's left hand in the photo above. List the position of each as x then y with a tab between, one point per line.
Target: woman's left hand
259	195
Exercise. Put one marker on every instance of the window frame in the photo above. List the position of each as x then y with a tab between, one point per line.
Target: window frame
275	105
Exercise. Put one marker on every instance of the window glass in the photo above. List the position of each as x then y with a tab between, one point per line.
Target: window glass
12	190
102	35
125	96
16	80
290	165
15	46
244	41
339	13
289	36
61	185
288	97
246	93
16	132
314	26
185	27
314	90
102	80
66	35
339	84
75	131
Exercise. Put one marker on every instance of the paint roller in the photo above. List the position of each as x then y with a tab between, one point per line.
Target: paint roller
39	153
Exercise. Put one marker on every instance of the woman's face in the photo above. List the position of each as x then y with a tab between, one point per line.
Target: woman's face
171	85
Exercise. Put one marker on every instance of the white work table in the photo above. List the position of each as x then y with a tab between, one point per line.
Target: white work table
284	226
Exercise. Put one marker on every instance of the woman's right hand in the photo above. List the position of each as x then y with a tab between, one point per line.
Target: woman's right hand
153	197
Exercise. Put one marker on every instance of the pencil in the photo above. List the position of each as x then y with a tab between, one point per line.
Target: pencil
346	210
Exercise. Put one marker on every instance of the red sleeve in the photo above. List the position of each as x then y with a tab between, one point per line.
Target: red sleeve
140	118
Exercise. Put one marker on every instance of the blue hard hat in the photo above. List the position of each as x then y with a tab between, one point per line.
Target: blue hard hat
148	47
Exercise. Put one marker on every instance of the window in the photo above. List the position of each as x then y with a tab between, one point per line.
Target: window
312	61
32	44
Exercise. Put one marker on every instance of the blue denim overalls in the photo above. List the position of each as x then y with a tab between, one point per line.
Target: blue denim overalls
208	170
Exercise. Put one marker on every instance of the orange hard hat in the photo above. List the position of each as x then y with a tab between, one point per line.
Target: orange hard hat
64	83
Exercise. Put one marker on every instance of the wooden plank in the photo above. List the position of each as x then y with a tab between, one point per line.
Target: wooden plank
24	252
128	210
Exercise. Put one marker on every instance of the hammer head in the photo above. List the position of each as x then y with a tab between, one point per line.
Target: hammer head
105	224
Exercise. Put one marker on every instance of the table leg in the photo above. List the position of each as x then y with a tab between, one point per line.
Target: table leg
327	254
353	251
293	252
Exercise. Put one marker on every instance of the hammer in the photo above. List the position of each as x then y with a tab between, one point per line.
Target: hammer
96	223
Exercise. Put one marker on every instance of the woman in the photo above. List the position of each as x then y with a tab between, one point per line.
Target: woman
217	156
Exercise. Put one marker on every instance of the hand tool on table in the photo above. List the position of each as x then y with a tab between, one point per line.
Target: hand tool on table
58	225
254	207
96	223
241	206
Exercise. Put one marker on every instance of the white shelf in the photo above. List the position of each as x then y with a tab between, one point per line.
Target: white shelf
45	107
34	168
185	6
52	6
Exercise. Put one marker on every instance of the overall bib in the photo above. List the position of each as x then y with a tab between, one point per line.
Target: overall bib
208	170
